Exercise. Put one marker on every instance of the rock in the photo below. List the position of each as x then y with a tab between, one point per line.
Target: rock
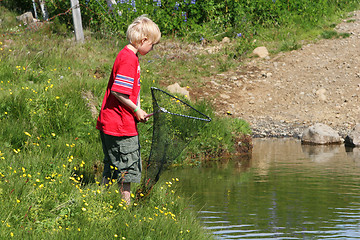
321	94
26	18
225	40
353	138
224	96
175	88
262	52
320	134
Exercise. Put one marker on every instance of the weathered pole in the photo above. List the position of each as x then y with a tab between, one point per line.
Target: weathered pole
79	34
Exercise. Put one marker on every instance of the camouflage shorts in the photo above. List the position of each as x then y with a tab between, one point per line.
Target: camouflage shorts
122	159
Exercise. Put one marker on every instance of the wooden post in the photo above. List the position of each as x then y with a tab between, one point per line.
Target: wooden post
79	34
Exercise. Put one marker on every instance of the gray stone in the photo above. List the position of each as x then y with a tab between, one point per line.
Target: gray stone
224	96
320	134
262	52
26	18
353	138
321	93
176	88
225	40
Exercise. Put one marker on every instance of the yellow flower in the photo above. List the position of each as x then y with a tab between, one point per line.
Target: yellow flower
84	209
17	200
53	134
28	134
11	234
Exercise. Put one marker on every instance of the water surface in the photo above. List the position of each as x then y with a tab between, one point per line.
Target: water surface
285	191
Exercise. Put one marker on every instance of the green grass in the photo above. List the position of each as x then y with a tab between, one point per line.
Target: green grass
50	152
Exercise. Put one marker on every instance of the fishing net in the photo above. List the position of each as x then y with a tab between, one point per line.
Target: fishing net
176	123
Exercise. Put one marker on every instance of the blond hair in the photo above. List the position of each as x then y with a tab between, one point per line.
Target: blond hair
143	27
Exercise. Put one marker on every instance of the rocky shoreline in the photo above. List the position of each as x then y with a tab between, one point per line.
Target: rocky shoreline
277	129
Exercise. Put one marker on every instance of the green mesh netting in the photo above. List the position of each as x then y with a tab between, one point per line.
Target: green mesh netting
176	123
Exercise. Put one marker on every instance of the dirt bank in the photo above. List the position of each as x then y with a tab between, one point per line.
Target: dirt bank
283	94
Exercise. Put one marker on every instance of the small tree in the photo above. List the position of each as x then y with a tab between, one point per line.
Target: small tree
44	11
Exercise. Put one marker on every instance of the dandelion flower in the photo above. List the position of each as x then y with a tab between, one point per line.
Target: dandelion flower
84	209
28	134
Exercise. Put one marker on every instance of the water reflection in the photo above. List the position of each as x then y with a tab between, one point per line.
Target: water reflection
286	191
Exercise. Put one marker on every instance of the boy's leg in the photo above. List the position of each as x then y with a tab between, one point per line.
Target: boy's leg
106	172
125	192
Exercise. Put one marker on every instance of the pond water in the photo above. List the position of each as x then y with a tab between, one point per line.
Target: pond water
284	191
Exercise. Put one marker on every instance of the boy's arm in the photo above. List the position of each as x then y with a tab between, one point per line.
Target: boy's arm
124	99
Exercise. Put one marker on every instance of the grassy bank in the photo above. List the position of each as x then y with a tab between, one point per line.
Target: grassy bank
50	91
50	153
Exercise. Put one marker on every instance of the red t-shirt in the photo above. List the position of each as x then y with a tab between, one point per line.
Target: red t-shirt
115	118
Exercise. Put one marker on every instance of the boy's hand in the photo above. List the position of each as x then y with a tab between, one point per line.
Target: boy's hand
141	115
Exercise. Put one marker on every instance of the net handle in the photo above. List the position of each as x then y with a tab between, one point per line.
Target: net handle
207	118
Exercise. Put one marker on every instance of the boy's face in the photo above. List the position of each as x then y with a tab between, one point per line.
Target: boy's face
145	46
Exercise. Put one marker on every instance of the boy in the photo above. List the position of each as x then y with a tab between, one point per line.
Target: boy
121	110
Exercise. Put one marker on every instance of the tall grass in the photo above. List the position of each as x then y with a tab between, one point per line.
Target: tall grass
50	152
